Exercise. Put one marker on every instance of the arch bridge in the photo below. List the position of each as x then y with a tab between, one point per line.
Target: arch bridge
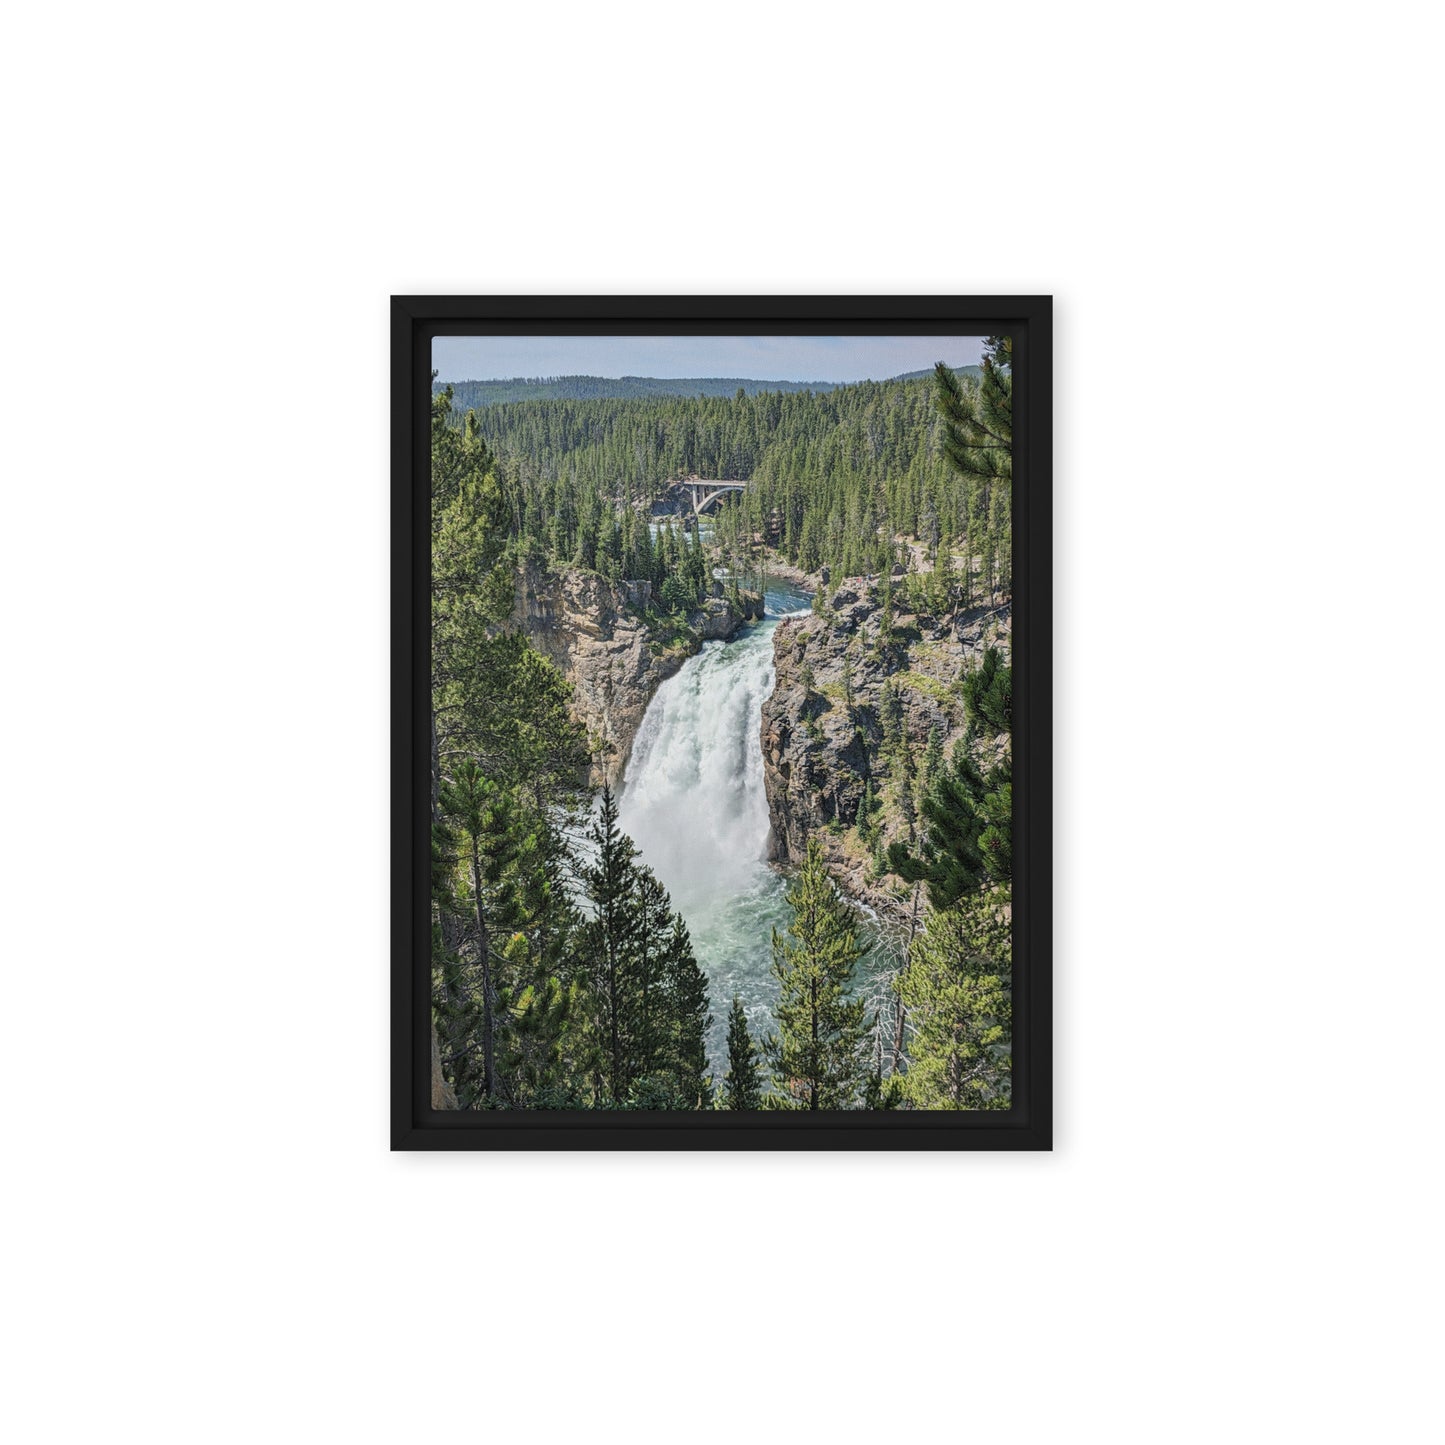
704	491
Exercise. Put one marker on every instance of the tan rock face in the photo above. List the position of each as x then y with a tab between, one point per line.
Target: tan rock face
819	747
608	654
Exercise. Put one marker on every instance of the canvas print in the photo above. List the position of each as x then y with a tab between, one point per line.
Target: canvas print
721	742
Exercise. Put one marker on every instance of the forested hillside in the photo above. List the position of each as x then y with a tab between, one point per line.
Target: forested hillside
834	477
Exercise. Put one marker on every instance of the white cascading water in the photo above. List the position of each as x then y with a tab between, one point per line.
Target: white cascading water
693	803
694	799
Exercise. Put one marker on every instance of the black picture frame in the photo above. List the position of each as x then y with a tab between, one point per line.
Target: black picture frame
415	321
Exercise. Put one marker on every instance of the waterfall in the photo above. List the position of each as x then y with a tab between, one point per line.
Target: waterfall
693	803
693	800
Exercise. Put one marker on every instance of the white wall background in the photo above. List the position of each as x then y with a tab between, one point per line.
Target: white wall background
1237	1237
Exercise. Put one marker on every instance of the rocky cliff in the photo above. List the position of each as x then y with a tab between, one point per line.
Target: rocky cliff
823	727
594	631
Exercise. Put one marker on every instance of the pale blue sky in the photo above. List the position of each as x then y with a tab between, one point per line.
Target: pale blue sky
767	358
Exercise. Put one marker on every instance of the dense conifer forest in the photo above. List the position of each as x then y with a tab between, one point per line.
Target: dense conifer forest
563	977
833	477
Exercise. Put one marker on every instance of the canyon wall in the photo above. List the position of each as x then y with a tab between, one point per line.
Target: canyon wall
615	660
822	726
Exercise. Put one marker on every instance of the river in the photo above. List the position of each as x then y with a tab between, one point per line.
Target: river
693	803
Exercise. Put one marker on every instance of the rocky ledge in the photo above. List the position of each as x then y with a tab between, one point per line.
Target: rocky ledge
822	726
596	633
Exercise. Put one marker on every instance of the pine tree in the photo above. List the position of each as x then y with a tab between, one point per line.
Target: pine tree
483	812
977	443
818	1058
932	759
988	695
689	1018
931	769
647	1032
907	781
539	1057
890	716
978	419
456	1005
742	1088
958	993
695	567
867	807
968	819
649	996
885	615
611	938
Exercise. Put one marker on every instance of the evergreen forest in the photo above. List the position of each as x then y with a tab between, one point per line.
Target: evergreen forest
563	976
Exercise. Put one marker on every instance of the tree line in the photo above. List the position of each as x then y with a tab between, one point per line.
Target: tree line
467	395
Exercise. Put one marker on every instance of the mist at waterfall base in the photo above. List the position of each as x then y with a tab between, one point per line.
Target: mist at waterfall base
693	803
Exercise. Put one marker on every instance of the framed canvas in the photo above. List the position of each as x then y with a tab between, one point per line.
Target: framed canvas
721	722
